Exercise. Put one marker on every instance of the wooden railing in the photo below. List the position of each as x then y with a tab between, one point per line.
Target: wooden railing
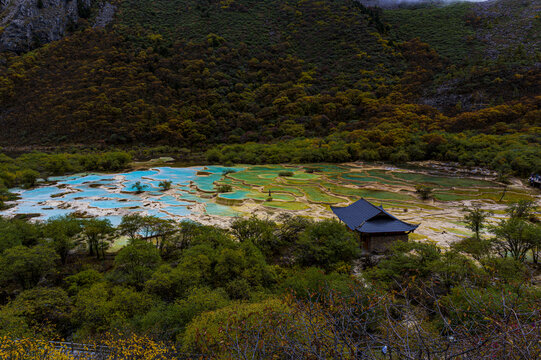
102	352
85	351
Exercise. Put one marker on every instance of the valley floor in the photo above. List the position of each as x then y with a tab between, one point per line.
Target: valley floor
216	195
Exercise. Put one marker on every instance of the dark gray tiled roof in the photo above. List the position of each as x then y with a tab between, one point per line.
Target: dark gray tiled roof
365	217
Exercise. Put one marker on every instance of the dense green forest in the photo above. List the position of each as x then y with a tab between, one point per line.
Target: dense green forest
190	74
198	288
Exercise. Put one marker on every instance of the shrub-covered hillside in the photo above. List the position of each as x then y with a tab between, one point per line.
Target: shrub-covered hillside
171	77
196	73
488	46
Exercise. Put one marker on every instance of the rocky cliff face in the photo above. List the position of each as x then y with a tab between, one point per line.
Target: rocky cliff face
26	24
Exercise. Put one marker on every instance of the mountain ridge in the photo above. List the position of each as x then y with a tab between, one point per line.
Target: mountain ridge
226	72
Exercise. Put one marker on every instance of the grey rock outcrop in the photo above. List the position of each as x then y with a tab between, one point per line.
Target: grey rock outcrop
27	24
105	16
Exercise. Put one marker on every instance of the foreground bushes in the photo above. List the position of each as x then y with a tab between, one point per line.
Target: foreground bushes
366	324
261	287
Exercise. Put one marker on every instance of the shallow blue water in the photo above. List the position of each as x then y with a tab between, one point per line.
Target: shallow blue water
40	194
177	210
221	210
241	194
113	204
86	192
195	198
115	193
114	219
83	179
178	176
157	213
171	200
146	185
137	175
206	183
45	211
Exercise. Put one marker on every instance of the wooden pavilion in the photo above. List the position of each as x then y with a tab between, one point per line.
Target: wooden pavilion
377	228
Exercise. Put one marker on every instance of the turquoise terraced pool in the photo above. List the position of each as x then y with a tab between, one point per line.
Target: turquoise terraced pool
307	190
113	195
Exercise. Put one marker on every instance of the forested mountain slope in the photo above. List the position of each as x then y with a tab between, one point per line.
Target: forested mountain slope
488	45
192	73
